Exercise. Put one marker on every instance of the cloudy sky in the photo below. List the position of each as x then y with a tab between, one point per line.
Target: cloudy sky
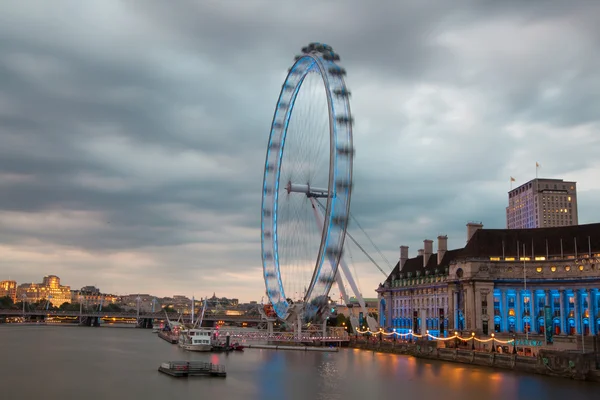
133	133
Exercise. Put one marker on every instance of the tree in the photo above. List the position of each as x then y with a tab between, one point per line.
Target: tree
169	308
6	302
112	308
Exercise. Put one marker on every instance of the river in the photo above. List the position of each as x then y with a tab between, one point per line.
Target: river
52	362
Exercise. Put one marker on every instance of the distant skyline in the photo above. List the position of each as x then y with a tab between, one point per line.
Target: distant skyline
134	133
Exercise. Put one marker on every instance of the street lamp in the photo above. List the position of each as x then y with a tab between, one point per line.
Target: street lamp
80	309
138	310
472	340
493	345
23	297
514	344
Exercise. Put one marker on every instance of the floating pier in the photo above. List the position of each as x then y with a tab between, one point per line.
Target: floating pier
168	336
192	368
299	348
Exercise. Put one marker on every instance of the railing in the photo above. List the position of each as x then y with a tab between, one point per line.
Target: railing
129	314
287	337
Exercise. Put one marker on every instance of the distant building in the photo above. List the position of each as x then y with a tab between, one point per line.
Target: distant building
354	309
146	302
9	289
49	289
91	296
215	301
542	203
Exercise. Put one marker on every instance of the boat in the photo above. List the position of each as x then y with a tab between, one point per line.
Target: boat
196	338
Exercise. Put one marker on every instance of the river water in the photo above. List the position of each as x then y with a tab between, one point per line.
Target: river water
52	362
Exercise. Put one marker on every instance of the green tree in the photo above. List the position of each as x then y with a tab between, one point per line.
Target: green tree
169	308
69	306
112	308
6	302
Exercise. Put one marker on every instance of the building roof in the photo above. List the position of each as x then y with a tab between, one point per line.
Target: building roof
538	242
415	264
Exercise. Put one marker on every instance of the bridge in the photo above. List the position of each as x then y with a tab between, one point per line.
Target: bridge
159	315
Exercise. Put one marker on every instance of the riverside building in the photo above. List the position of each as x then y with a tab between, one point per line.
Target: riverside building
50	289
9	289
510	282
542	203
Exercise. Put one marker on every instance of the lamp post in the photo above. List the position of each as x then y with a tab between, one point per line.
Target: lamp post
80	309
472	340
493	345
514	344
138	310
23	297
456	339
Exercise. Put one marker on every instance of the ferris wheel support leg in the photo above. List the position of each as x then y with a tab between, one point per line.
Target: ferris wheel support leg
342	264
357	293
299	327
338	276
340	282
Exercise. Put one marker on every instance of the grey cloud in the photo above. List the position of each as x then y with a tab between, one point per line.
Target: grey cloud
153	130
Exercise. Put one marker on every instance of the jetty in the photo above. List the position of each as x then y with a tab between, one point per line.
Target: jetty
168	336
299	348
192	368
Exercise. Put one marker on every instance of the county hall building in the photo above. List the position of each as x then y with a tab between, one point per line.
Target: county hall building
510	282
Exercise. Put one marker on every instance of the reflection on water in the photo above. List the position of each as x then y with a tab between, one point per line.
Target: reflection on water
102	363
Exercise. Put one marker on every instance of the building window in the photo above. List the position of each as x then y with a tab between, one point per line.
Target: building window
553	268
567	268
539	269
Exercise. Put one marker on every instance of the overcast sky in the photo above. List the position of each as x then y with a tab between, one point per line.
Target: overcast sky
133	133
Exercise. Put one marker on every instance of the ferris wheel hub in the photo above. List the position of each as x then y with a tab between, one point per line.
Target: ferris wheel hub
308	190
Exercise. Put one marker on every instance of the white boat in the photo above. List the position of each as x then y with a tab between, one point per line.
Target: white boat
196	339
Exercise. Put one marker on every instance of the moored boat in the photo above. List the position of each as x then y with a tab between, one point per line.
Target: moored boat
196	339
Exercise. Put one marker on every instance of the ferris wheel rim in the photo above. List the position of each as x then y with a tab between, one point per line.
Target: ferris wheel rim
340	192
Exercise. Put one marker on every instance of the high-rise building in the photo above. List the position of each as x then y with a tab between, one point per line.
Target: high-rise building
542	203
9	288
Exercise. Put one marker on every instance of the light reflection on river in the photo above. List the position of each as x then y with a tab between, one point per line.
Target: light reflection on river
46	362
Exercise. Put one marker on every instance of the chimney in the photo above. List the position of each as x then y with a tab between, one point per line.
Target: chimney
427	251
420	252
403	256
442	248
473	227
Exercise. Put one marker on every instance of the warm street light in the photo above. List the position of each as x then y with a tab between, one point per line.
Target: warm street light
472	340
493	345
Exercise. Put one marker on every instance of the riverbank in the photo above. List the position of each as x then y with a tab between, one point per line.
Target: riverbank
563	364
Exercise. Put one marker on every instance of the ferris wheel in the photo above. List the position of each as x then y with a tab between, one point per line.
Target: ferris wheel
307	184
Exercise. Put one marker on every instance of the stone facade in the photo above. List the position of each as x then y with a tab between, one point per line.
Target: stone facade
499	283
